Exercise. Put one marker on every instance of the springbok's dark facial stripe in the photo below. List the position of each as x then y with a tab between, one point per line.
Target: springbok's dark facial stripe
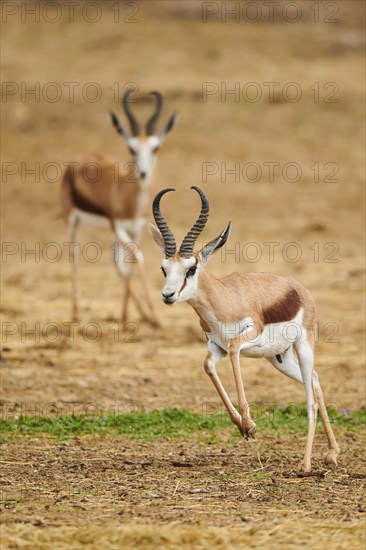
183	285
185	278
284	310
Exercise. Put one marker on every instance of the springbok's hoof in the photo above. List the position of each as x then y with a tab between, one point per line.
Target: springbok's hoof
155	324
331	458
249	431
305	467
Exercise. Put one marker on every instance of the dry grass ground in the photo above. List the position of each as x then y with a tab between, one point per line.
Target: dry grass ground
231	494
172	50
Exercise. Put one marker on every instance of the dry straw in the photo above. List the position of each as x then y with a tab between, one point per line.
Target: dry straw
267	536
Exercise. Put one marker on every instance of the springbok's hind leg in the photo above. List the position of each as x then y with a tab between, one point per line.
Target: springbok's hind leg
153	320
333	448
121	258
130	293
126	297
288	365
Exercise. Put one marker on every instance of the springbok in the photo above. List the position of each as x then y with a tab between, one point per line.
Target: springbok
255	314
98	191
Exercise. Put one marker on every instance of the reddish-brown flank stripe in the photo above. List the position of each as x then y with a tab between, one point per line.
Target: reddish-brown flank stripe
84	204
284	310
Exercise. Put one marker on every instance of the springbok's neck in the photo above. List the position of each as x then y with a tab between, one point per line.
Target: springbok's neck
204	300
143	198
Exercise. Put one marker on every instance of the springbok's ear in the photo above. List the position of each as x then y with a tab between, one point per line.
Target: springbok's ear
118	126
168	125
157	236
214	245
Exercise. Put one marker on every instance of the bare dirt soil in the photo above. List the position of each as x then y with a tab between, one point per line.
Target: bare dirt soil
221	483
172	50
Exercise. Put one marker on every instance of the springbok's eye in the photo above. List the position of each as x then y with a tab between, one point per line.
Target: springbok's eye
164	272
191	271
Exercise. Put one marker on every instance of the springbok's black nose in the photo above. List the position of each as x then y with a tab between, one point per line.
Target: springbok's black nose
143	175
169	295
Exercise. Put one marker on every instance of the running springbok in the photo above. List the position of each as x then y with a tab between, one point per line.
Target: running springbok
98	191
255	314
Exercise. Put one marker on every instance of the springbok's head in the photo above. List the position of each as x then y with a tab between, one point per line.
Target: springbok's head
143	146
181	269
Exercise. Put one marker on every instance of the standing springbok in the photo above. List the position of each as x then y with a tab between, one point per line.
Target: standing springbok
255	314
97	191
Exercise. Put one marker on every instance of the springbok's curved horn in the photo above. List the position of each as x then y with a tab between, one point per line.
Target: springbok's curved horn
169	241
150	125
186	248
135	128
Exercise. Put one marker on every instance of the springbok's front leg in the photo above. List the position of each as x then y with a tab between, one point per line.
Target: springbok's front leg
74	223
248	426
214	355
248	338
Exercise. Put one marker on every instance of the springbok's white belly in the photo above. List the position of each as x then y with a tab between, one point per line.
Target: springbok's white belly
275	339
133	228
91	219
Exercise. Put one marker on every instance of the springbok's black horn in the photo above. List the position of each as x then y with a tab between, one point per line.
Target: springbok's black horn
150	126
169	241
116	123
135	128
186	248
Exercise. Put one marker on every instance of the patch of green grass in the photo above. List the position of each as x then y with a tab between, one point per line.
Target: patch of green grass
293	417
174	422
140	425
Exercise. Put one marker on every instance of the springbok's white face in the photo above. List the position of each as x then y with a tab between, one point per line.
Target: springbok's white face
143	151
181	278
143	148
182	269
